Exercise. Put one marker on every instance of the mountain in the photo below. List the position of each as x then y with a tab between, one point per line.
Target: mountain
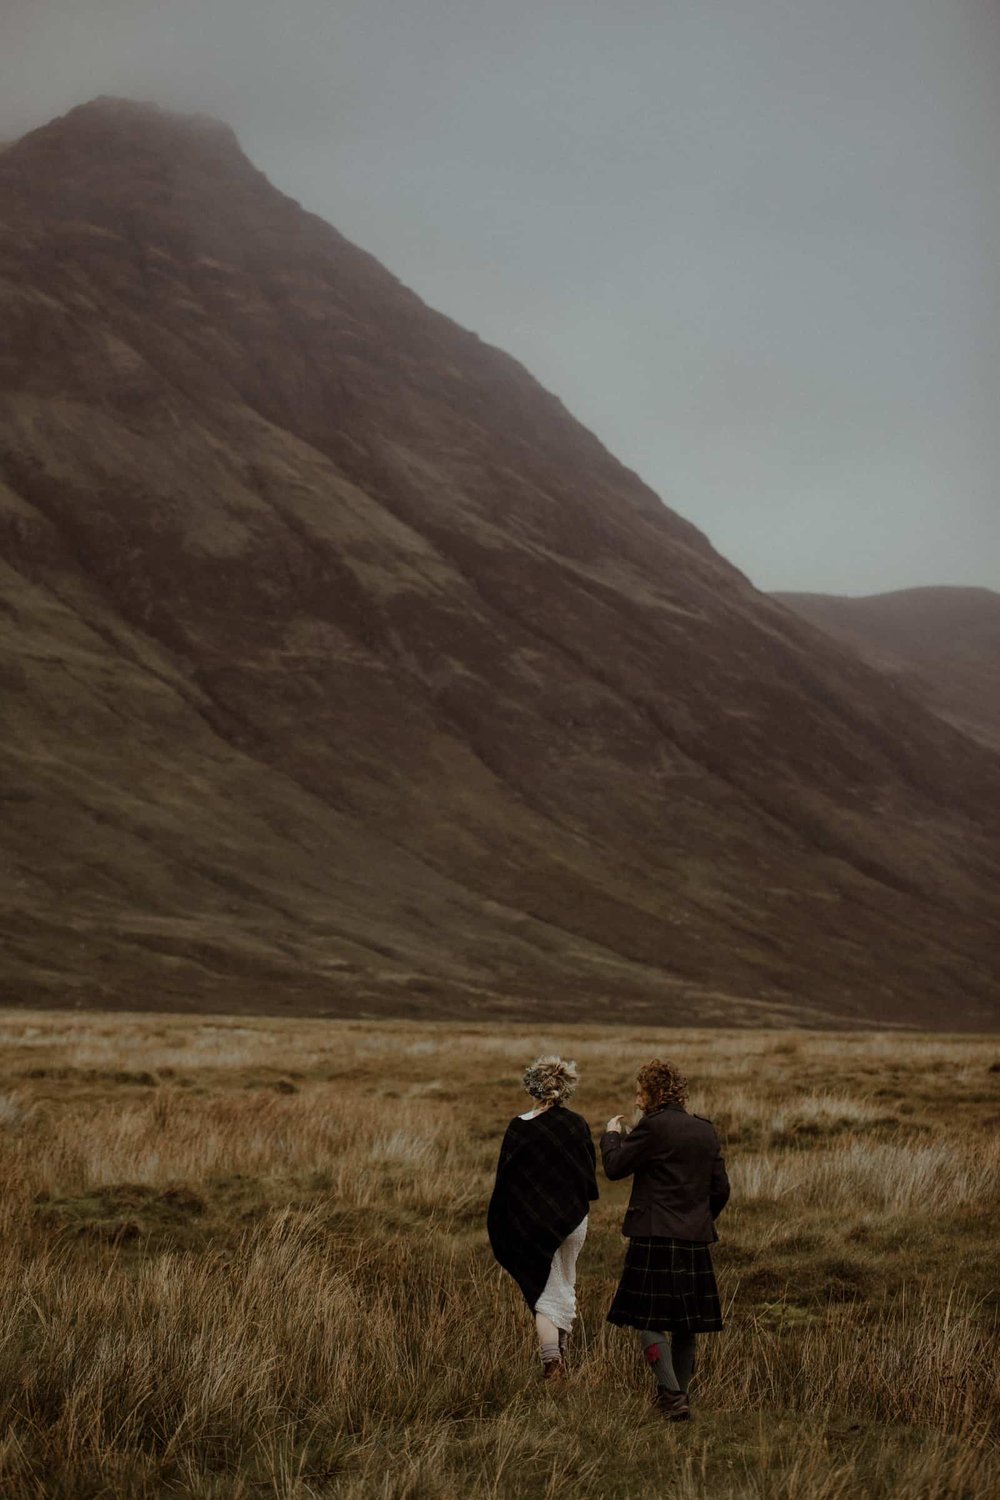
940	644
344	671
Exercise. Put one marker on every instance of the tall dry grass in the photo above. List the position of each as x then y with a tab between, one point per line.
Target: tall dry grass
247	1259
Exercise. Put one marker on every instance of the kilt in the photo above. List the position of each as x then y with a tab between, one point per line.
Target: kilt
668	1286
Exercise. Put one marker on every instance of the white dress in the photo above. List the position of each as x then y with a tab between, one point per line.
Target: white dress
558	1299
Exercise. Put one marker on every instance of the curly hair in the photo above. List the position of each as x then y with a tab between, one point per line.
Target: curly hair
661	1083
550	1079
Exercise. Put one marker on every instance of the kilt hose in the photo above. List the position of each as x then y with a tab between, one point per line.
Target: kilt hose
668	1286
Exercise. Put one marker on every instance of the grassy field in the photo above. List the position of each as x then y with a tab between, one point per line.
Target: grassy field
247	1258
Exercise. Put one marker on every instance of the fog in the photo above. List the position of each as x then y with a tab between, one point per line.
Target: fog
751	243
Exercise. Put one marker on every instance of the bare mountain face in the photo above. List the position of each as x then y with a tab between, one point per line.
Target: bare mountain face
940	644
343	670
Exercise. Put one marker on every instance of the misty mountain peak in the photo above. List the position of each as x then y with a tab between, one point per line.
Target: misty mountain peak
110	130
119	166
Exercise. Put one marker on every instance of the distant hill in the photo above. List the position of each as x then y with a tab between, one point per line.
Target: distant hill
941	644
344	671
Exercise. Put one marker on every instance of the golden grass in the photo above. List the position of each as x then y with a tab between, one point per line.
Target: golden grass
248	1258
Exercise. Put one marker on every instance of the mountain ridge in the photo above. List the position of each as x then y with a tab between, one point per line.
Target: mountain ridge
941	642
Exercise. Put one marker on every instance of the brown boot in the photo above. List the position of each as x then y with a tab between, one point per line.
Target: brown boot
673	1405
553	1370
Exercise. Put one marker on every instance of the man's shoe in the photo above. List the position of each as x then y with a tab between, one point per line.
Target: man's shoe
673	1405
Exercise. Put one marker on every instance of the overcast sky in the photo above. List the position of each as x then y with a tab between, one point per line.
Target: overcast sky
753	244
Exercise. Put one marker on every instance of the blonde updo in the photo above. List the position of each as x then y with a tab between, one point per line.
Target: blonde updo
550	1080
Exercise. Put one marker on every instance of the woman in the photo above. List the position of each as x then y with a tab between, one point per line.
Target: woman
537	1220
679	1189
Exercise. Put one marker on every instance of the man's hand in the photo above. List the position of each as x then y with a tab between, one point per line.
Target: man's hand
615	1124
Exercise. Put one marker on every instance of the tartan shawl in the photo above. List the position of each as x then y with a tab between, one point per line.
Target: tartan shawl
545	1182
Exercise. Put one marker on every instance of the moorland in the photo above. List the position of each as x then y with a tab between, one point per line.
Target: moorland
246	1257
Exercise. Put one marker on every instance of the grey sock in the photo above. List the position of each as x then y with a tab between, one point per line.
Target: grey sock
549	1352
656	1348
563	1339
682	1353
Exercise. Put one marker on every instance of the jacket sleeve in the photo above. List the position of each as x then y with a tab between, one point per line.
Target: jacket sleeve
718	1191
622	1154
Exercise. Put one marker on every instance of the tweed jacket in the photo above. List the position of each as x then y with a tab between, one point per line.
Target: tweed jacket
680	1185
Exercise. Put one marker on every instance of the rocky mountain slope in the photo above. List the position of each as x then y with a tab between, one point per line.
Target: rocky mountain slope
940	644
343	670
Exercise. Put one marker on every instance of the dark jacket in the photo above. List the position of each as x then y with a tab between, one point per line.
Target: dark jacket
545	1183
680	1185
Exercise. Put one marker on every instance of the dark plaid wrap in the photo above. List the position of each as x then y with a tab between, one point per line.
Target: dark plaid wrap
545	1183
669	1286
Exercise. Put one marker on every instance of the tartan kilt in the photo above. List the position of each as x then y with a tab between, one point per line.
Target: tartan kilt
668	1286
